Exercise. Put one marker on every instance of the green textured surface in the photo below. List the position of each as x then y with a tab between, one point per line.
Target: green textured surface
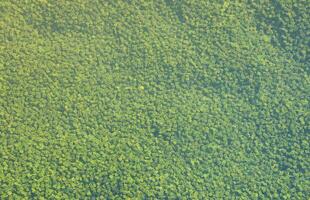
154	99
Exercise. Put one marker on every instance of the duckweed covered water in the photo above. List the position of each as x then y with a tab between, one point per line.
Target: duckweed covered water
186	99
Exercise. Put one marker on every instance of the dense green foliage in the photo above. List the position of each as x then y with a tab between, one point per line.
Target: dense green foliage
185	99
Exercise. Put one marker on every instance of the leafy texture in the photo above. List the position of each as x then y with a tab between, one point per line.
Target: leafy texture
154	99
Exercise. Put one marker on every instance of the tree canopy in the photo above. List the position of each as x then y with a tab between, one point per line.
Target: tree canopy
162	99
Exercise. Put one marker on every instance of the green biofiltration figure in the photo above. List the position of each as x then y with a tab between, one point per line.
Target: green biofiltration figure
162	99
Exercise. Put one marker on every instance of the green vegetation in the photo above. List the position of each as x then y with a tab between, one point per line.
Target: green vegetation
185	99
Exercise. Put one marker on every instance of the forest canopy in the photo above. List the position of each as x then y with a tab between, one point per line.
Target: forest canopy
162	99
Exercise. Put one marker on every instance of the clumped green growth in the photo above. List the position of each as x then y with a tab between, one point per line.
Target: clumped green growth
186	99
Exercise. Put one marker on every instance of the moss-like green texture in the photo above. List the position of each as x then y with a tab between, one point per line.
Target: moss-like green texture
188	99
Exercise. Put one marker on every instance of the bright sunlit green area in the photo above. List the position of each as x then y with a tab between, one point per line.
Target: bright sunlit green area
154	99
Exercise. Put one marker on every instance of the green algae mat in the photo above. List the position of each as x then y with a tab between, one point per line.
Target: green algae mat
188	99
